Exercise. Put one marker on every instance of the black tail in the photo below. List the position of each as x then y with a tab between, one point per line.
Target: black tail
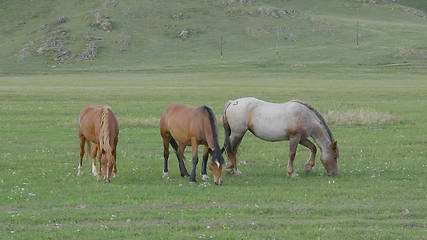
174	144
227	129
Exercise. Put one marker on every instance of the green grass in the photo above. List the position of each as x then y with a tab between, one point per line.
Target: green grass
382	168
380	192
323	35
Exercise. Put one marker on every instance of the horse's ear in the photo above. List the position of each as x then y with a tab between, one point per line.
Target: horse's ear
217	163
222	150
334	145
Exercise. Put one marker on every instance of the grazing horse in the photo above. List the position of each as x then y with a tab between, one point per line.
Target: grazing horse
99	126
294	121
181	126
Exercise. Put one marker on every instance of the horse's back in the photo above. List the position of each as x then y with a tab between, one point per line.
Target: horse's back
90	121
182	122
268	121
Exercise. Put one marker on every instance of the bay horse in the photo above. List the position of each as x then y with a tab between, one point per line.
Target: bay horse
182	125
99	127
295	121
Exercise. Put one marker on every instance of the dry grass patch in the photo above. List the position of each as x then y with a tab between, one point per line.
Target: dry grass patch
358	117
152	121
141	122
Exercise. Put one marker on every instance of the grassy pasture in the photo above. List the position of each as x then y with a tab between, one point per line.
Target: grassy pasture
380	193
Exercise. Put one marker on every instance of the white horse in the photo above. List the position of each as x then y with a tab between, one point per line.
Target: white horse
294	121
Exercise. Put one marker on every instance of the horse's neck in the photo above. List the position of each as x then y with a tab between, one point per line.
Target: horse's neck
212	144
210	140
322	138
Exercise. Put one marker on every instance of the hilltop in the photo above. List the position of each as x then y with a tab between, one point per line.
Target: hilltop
161	35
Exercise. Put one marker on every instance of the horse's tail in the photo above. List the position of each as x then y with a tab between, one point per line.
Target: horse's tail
104	131
227	128
173	144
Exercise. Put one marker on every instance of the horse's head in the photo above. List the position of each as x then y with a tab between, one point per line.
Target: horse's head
108	161
329	159
216	167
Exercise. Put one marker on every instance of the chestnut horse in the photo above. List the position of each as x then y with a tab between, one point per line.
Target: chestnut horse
181	126
98	125
294	121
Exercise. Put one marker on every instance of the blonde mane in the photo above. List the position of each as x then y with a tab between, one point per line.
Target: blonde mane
104	136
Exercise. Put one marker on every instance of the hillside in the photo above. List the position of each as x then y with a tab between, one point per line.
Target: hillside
161	35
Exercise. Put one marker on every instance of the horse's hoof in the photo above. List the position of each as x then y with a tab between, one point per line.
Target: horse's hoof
307	170
79	173
233	171
165	175
293	174
205	177
193	182
94	171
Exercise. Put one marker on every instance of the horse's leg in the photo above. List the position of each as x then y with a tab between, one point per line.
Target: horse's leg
116	140
99	153
235	140
293	144
310	163
194	148
93	151
205	177
110	165
82	153
115	165
105	166
166	156
183	170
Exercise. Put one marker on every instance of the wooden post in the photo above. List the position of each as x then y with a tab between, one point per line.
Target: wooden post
220	46
357	33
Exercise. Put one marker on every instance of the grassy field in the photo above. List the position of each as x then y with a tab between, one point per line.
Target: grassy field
361	64
379	194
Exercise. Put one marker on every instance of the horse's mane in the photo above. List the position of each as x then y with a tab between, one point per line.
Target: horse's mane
212	121
104	131
322	120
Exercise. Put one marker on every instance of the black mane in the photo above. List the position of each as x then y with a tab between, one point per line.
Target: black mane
319	116
216	153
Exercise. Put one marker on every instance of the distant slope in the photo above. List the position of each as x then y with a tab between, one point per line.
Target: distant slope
157	35
421	5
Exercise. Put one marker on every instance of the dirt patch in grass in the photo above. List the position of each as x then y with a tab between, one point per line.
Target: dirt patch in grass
358	117
323	25
414	12
413	53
